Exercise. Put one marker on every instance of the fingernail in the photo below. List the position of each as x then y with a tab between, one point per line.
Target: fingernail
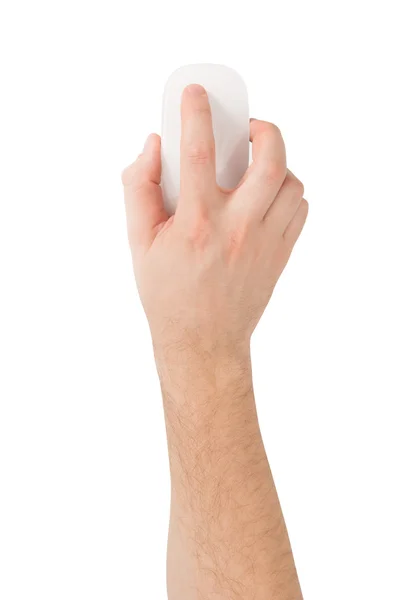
194	89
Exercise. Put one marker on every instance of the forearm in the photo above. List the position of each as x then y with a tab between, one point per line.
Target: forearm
227	534
205	276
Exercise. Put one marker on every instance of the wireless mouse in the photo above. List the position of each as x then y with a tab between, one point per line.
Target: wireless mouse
228	98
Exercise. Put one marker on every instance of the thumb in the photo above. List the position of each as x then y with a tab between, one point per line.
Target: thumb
143	197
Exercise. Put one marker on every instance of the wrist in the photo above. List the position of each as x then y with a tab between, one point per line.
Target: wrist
207	396
211	367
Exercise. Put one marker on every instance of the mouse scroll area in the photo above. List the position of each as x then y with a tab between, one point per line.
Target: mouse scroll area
228	99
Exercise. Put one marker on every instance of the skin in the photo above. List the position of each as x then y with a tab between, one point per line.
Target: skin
205	276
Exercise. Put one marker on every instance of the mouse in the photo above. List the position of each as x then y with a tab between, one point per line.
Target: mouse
228	97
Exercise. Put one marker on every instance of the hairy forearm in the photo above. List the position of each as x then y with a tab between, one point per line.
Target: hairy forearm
205	276
227	534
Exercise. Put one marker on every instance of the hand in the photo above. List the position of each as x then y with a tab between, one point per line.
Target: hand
206	274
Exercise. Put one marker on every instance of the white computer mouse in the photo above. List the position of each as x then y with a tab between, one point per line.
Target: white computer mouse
230	116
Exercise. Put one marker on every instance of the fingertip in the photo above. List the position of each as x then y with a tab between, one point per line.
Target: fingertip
194	90
151	150
152	157
194	100
152	144
265	129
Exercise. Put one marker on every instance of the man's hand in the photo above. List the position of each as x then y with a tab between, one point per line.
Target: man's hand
205	276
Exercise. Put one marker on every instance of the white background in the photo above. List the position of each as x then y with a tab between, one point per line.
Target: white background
83	464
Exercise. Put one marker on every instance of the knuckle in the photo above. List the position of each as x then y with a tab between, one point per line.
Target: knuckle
200	153
203	107
292	201
276	170
270	129
298	187
274	130
129	174
199	230
304	206
126	176
269	133
237	236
